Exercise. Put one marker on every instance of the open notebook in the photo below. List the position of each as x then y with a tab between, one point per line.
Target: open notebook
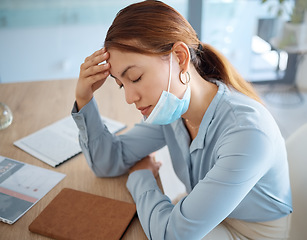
59	142
77	215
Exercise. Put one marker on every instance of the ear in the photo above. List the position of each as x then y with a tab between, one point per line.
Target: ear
182	54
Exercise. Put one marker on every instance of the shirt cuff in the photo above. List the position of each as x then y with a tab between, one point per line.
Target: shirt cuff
88	116
140	182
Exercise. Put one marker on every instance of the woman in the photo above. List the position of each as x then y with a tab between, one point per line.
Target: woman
225	146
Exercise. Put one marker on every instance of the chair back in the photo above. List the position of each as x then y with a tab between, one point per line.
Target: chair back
297	157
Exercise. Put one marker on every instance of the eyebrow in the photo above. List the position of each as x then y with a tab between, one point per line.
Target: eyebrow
124	72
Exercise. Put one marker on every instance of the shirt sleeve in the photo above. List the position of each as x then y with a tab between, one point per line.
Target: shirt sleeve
243	157
108	154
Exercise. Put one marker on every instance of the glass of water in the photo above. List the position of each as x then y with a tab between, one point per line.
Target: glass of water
6	116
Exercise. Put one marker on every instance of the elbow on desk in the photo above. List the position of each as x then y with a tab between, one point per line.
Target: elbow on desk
102	168
107	172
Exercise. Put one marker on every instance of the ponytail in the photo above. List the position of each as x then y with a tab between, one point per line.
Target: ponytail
212	65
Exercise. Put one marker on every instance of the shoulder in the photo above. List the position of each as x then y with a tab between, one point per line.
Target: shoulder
236	112
242	111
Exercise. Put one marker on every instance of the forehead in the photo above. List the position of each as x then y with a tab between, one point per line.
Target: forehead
122	56
119	60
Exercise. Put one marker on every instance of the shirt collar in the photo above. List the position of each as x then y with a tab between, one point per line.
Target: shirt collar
199	141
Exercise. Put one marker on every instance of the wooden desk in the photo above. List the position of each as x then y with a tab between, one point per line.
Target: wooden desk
38	104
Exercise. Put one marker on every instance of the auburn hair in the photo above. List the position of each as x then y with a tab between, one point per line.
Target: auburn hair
152	27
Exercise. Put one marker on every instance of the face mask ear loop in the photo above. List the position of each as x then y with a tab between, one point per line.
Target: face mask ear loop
170	73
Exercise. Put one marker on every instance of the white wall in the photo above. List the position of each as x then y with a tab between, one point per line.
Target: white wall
40	53
43	40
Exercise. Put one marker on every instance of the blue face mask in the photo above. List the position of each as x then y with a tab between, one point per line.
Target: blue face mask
169	108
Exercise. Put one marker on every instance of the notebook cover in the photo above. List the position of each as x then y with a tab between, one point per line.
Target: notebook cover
76	215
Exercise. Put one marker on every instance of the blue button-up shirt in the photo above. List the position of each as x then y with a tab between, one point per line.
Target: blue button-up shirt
236	167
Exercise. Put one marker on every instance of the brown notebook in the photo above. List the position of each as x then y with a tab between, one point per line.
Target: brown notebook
78	215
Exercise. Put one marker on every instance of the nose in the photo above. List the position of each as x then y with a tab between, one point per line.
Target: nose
131	95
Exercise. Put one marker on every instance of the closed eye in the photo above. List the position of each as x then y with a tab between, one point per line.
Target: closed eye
134	81
137	79
122	85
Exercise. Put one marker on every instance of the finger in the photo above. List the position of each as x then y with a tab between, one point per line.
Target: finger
98	77
97	53
153	154
95	70
95	59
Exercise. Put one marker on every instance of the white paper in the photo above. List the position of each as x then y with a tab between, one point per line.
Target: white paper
171	184
21	186
58	142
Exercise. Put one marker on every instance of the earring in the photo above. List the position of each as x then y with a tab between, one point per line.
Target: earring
186	76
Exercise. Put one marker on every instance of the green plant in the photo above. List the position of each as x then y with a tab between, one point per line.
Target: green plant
298	11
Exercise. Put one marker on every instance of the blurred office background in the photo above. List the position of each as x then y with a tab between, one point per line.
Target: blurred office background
42	39
46	40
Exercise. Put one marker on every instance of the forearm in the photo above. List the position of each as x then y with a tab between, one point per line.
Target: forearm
101	148
159	218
